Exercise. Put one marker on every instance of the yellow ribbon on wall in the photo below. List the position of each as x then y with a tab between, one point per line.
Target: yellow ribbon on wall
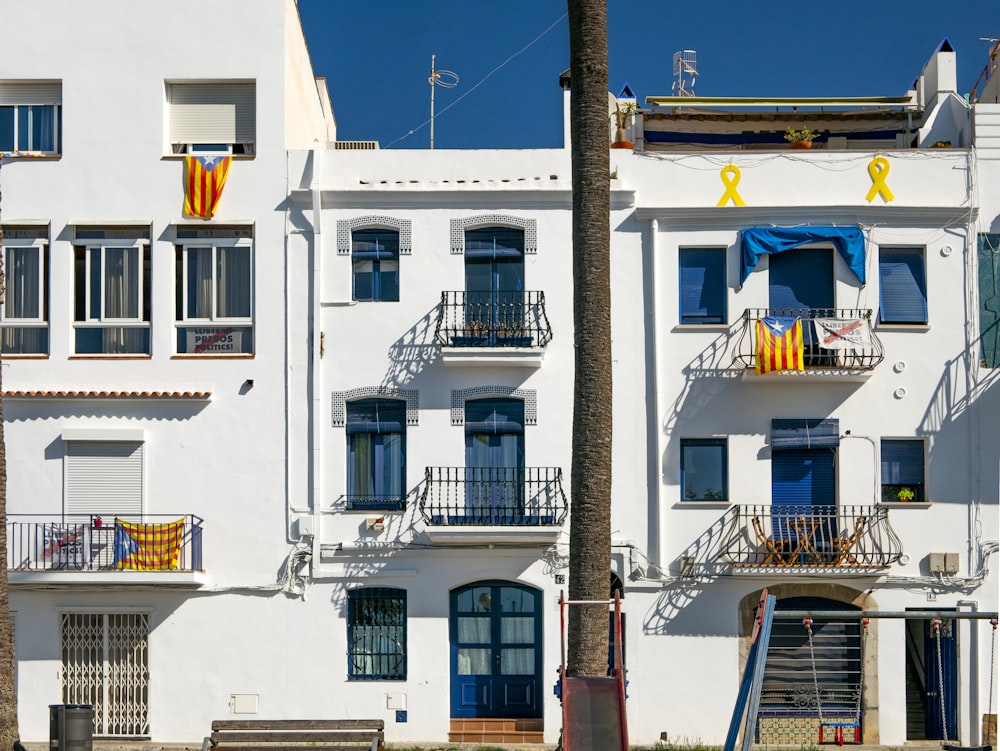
878	169
730	178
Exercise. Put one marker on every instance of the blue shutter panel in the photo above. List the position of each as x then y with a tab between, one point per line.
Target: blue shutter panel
800	279
803	478
902	286
703	285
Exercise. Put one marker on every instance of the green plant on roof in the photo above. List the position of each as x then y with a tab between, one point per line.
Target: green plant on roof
806	134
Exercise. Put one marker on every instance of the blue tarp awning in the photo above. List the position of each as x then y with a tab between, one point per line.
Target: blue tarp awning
757	241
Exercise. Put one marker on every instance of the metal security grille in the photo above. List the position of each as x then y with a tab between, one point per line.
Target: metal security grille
376	634
801	685
105	663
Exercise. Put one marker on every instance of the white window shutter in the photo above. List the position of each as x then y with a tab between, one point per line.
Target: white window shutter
104	478
30	93
212	112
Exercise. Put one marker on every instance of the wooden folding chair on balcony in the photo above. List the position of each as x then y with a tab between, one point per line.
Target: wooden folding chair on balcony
775	555
843	546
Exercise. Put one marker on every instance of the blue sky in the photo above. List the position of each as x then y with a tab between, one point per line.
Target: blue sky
376	57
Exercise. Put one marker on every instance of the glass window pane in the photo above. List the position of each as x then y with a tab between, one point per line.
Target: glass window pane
474	661
199	283
388	278
703	470
6	129
364	280
23	299
121	283
474	630
23	129
233	283
515	600
517	630
96	285
517	661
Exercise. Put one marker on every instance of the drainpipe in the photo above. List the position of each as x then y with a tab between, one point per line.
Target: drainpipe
317	334
974	652
656	516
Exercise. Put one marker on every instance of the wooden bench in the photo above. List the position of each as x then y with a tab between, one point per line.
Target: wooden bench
282	735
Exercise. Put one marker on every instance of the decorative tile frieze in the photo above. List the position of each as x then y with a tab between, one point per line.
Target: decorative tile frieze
345	227
460	396
459	227
339	399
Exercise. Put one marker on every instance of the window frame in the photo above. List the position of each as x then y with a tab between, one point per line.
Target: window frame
900	317
376	272
710	442
203	134
376	502
186	240
114	239
690	319
358	595
919	488
37	240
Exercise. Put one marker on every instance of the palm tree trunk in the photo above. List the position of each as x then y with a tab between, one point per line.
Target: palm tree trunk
590	519
8	699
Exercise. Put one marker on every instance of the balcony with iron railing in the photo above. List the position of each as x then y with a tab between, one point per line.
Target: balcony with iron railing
499	327
53	548
846	348
809	539
494	504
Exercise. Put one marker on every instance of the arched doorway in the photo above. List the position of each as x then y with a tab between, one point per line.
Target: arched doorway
495	630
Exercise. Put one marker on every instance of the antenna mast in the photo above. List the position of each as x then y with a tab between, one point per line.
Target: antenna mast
685	71
439	78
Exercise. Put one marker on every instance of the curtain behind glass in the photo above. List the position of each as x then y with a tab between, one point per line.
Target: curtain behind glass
362	470
199	283
233	282
23	273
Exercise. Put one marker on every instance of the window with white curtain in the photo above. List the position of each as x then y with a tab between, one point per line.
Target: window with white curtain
376	634
214	291
112	290
30	117
24	327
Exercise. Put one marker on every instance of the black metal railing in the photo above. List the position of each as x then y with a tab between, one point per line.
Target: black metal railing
493	496
854	347
492	319
100	543
780	536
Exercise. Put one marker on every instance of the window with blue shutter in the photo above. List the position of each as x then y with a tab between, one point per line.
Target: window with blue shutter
376	454
702	285
903	471
902	285
375	263
704	469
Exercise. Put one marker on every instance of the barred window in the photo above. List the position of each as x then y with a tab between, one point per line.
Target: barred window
376	634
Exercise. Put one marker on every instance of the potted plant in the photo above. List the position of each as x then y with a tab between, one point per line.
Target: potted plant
801	139
905	495
623	114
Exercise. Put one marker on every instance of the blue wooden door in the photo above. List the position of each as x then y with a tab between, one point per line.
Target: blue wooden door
494	461
496	650
941	675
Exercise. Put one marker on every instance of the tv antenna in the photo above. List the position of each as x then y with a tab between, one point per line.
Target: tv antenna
685	72
445	78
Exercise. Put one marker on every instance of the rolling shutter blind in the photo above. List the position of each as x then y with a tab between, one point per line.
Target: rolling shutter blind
703	285
30	93
805	434
902	286
803	478
801	279
104	477
212	112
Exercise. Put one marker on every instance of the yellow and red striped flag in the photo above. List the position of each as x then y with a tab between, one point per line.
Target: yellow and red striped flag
148	547
204	179
779	344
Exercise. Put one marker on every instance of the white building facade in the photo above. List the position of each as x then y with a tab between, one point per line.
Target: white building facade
369	445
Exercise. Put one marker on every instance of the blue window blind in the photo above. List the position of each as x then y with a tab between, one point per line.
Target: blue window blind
376	454
801	279
703	285
494	416
375	263
376	634
903	470
704	469
494	242
902	285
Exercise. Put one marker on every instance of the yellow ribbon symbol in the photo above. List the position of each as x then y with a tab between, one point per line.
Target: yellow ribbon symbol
879	171
730	178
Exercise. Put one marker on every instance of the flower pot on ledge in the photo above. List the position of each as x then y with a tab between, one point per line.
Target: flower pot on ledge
622	145
800	144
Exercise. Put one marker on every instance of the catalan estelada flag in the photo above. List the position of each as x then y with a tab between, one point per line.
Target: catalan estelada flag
148	547
204	178
779	344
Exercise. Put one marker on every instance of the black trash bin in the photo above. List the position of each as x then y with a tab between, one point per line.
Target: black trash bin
71	727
